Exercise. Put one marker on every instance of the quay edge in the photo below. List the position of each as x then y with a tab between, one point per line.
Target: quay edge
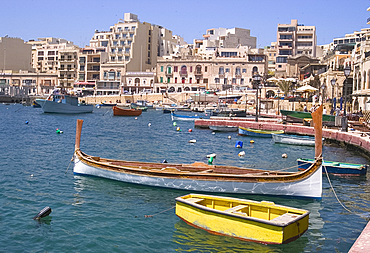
352	139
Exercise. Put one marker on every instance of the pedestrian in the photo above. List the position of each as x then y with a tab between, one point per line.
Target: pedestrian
324	110
305	108
337	111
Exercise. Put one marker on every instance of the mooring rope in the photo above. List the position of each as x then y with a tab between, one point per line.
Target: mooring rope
335	194
151	216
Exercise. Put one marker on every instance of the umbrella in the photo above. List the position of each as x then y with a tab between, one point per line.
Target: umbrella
272	79
306	88
290	79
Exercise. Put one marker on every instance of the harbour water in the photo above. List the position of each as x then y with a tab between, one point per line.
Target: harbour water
99	215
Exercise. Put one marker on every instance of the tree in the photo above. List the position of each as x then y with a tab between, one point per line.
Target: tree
285	86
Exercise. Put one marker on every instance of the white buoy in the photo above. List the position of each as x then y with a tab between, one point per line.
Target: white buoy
242	153
135	117
284	155
211	155
31	175
149	124
229	137
213	133
192	141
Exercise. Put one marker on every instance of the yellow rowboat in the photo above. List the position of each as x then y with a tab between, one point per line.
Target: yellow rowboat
263	222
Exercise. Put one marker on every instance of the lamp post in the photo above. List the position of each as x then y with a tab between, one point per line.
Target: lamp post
347	71
323	86
333	81
256	84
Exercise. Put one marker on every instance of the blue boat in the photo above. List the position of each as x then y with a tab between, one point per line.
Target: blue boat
337	168
258	132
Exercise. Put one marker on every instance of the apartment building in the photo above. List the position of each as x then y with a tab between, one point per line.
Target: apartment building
15	55
45	53
224	38
293	39
131	46
193	73
67	67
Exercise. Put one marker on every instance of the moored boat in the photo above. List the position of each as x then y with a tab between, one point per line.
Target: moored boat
294	139
258	132
64	103
120	111
337	168
224	128
175	116
298	117
206	178
263	222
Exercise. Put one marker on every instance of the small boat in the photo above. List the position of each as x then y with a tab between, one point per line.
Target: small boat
120	111
36	105
298	117
224	128
337	168
107	104
175	116
139	107
294	139
64	103
258	132
202	177
263	222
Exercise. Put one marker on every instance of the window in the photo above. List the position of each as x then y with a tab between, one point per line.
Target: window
183	70
286	37
237	71
111	75
229	54
40	53
217	80
191	69
205	69
221	71
242	81
161	68
233	81
190	80
169	70
175	79
161	79
280	59
104	43
175	69
105	75
244	70
227	70
285	52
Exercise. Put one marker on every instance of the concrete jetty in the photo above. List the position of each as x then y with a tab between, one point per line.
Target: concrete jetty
362	244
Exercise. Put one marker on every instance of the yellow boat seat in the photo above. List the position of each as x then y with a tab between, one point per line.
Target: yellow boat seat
285	218
235	208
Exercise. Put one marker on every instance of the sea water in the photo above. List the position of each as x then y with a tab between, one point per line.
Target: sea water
92	214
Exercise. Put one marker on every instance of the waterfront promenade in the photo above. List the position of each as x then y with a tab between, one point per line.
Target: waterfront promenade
355	138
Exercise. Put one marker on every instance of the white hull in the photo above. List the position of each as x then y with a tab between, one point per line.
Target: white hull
55	107
310	187
204	98
279	138
224	128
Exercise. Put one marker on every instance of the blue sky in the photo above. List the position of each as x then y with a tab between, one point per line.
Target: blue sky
77	20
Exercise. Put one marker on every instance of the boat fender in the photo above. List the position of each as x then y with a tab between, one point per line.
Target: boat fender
210	160
26	122
164	161
58	131
213	133
211	155
178	129
174	124
252	141
43	213
149	124
242	153
135	117
192	141
284	155
190	130
239	144
229	137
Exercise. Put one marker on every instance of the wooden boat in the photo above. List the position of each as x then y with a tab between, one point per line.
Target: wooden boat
298	117
258	132
175	116
206	178
337	168
263	222
139	107
224	128
64	103
119	111
294	139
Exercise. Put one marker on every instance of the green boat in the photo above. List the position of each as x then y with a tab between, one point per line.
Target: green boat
297	116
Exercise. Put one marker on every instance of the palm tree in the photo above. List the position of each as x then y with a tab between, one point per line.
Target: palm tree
285	86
